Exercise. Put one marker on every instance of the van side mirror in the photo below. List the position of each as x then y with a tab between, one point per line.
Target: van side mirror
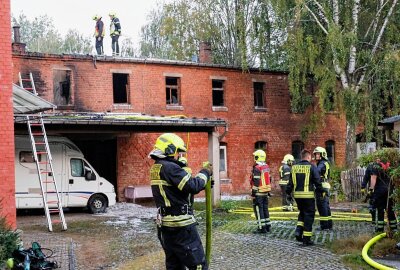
90	176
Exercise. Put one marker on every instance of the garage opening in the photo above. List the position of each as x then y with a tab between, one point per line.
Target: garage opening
102	155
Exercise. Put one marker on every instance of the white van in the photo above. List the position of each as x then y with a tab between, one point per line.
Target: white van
79	185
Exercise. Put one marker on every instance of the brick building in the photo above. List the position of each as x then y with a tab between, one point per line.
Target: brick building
255	105
7	187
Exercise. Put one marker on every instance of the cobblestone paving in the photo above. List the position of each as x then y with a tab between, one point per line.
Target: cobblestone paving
236	247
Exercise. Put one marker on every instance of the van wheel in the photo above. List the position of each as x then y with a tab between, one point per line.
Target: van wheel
97	204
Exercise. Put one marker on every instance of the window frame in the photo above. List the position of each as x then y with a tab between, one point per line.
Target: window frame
169	88
127	88
330	143
221	89
223	174
297	157
262	91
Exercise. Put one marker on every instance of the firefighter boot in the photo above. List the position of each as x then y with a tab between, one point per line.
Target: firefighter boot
268	228
307	241
299	234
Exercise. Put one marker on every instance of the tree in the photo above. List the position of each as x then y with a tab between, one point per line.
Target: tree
241	32
40	35
344	40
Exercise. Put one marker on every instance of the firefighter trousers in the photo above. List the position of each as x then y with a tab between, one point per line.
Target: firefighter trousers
182	247
382	203
260	206
306	216
99	46
324	211
285	202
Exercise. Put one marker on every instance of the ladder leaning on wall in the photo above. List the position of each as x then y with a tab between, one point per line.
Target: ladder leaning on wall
52	203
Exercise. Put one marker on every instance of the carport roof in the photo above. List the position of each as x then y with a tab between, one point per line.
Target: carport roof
389	122
24	102
127	121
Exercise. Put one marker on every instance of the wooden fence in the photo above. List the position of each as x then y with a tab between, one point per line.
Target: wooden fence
351	183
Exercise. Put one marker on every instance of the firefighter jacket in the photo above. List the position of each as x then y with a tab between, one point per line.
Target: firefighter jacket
171	186
284	174
115	27
367	176
324	170
383	182
304	180
260	180
99	29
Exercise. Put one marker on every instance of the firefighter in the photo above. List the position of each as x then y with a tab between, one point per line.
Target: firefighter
99	34
366	182
171	186
304	180
260	188
115	32
382	188
322	200
284	173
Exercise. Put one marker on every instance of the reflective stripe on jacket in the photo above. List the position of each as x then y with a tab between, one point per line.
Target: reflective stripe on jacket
260	180
99	29
171	186
115	27
284	174
304	180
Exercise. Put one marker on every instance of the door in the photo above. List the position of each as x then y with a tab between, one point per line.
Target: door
82	182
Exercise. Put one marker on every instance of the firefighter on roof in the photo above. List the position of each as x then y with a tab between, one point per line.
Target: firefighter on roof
260	188
284	173
99	34
171	186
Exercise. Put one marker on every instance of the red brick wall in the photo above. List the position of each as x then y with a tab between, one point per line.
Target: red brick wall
277	126
7	183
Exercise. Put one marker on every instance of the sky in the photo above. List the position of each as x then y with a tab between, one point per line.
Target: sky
77	14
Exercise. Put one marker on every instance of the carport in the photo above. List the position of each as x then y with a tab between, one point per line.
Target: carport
108	125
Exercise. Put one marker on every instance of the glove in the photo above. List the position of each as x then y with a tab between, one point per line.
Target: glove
370	192
208	167
269	194
212	182
363	191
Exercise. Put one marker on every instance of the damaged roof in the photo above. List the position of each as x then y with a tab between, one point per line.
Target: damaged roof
24	102
390	120
127	121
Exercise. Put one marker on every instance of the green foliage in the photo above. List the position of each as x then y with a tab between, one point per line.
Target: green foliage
336	183
9	240
40	35
229	205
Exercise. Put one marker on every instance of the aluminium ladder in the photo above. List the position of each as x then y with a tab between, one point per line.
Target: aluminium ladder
42	156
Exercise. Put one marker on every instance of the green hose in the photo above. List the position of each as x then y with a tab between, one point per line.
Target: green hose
366	258
208	222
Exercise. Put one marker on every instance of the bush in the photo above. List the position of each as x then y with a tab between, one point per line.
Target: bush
9	241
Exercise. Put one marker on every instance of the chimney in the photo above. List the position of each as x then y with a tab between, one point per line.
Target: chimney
205	53
17	46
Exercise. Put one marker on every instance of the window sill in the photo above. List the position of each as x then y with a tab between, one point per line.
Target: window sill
174	108
122	106
65	107
225	181
260	109
219	109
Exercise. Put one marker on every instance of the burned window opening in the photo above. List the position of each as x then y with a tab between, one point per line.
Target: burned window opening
218	93
172	90
62	87
259	95
120	88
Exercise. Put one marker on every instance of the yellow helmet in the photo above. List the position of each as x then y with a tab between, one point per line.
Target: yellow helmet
96	17
170	144
183	160
259	155
288	159
112	14
322	151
